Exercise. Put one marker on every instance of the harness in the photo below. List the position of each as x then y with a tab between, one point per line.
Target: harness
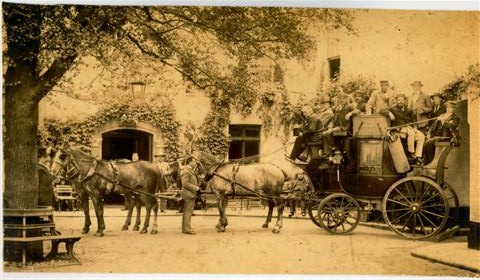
233	181
92	171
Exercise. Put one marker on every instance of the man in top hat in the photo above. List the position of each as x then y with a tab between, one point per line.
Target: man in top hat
443	128
420	103
380	100
401	115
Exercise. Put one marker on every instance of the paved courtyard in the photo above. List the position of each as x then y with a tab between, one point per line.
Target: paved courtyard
246	248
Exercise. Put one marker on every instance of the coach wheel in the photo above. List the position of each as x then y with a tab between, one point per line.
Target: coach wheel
453	204
416	207
312	210
339	213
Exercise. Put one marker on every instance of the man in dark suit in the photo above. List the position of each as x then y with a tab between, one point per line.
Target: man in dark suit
314	125
340	125
190	188
438	107
443	128
403	116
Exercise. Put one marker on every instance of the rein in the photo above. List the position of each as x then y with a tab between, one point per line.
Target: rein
92	171
242	186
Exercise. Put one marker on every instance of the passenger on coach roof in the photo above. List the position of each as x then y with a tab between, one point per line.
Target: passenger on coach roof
401	115
438	107
420	103
313	126
360	103
341	121
444	128
380	99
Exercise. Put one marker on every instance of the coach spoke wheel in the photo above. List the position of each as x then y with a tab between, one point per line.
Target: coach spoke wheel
339	213
312	209
453	204
416	207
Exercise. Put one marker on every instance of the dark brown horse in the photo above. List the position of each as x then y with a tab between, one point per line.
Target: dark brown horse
138	181
264	180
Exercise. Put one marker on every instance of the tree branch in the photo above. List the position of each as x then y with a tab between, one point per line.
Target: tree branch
54	73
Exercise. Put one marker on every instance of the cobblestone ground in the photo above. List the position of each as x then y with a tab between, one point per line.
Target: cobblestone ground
246	248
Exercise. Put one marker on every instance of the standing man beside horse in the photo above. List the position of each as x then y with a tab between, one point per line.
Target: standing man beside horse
190	188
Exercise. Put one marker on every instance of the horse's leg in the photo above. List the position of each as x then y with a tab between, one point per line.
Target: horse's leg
155	216
269	215
138	206
130	202
86	212
222	206
280	203
148	209
98	206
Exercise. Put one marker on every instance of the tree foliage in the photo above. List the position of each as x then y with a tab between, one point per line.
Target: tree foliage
211	47
460	87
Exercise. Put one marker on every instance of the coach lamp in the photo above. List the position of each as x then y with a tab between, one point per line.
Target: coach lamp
336	160
138	91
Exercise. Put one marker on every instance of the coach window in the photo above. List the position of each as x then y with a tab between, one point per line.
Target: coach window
245	141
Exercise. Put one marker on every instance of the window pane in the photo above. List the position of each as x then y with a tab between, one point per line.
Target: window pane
251	148
235	130
252	132
235	151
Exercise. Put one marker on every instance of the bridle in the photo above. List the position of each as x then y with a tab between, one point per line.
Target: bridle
72	169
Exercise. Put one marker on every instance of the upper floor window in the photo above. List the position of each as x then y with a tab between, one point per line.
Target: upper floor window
245	141
334	66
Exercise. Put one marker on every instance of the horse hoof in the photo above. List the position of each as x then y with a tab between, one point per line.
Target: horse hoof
99	234
265	226
125	228
220	228
136	228
276	230
143	231
85	231
154	231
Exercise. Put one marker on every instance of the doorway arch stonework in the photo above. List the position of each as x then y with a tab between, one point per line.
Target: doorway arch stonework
158	146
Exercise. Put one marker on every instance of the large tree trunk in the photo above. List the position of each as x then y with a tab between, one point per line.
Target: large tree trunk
21	105
24	88
21	177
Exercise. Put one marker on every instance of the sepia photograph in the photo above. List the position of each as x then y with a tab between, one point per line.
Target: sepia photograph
245	141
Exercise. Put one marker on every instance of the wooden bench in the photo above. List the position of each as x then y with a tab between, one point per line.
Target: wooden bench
20	224
69	241
64	193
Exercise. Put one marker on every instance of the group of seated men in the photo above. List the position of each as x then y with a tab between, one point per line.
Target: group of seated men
420	118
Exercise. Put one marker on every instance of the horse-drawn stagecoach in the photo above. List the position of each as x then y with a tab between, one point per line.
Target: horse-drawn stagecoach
361	175
367	172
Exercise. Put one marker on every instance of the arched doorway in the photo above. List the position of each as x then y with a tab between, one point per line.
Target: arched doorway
122	143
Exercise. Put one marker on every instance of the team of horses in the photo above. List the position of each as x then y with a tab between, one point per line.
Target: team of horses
139	181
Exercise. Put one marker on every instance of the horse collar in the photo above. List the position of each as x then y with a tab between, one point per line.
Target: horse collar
115	171
90	172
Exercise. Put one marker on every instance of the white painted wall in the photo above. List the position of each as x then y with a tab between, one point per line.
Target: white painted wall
434	47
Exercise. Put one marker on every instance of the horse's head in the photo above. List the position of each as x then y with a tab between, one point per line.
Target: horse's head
206	163
71	163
